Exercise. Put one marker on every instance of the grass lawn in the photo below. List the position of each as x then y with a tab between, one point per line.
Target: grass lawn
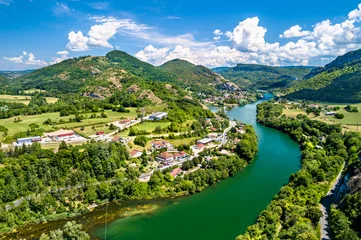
88	131
23	99
178	142
293	112
39	119
147	126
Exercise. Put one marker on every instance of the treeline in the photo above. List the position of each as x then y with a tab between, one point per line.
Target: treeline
294	212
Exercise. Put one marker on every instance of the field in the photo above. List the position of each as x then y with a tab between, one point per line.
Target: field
178	142
39	119
147	126
349	122
89	130
23	99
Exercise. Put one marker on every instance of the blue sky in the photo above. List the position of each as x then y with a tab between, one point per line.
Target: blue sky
36	33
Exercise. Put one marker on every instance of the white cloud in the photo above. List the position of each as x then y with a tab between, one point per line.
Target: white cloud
295	31
32	61
63	56
217	32
77	42
107	27
61	9
216	38
14	59
355	14
100	5
6	2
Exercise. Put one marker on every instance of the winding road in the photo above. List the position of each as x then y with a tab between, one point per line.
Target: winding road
326	206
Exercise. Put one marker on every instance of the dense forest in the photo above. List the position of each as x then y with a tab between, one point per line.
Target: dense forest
294	212
338	81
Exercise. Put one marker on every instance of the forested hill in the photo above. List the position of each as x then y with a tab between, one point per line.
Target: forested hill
338	81
197	77
105	74
262	77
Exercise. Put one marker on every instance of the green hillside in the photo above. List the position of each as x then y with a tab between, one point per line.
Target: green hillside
199	78
262	77
338	81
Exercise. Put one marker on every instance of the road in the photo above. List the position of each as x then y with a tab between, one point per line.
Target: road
326	206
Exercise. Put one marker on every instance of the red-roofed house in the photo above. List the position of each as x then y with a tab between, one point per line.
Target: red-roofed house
125	121
100	133
175	172
135	153
159	144
165	157
180	155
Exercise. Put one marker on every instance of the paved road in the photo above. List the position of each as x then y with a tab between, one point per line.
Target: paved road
326	206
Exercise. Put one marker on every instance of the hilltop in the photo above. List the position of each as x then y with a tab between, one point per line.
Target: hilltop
262	77
338	81
197	77
103	75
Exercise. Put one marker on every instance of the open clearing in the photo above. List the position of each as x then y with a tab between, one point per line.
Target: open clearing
147	126
55	117
23	99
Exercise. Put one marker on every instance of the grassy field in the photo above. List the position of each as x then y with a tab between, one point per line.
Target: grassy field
147	126
178	142
348	122
39	119
23	99
89	130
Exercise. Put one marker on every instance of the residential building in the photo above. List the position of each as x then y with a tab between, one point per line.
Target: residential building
199	146
160	144
175	172
165	157
158	116
205	141
135	153
180	155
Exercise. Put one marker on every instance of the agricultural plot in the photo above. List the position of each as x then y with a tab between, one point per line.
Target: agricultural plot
23	99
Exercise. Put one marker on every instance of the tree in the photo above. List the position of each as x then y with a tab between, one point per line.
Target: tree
339	116
63	146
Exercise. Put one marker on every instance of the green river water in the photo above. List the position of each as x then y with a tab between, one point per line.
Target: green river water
225	210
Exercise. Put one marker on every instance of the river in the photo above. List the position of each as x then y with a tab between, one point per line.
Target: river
225	210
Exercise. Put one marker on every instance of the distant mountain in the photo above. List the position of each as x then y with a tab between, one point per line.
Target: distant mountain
14	74
199	78
262	77
338	81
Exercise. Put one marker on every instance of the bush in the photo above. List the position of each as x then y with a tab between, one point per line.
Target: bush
339	116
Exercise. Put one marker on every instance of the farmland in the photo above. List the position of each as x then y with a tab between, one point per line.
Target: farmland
23	125
23	99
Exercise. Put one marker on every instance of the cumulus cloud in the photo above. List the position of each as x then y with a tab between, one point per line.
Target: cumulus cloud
295	31
107	27
247	44
30	61
6	2
63	56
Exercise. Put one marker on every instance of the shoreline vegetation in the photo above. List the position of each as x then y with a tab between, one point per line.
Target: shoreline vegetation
294	213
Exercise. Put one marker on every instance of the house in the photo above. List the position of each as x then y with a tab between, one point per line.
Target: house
313	106
213	129
160	144
175	172
135	153
180	155
205	141
100	133
165	157
330	113
213	136
125	121
158	116
115	138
